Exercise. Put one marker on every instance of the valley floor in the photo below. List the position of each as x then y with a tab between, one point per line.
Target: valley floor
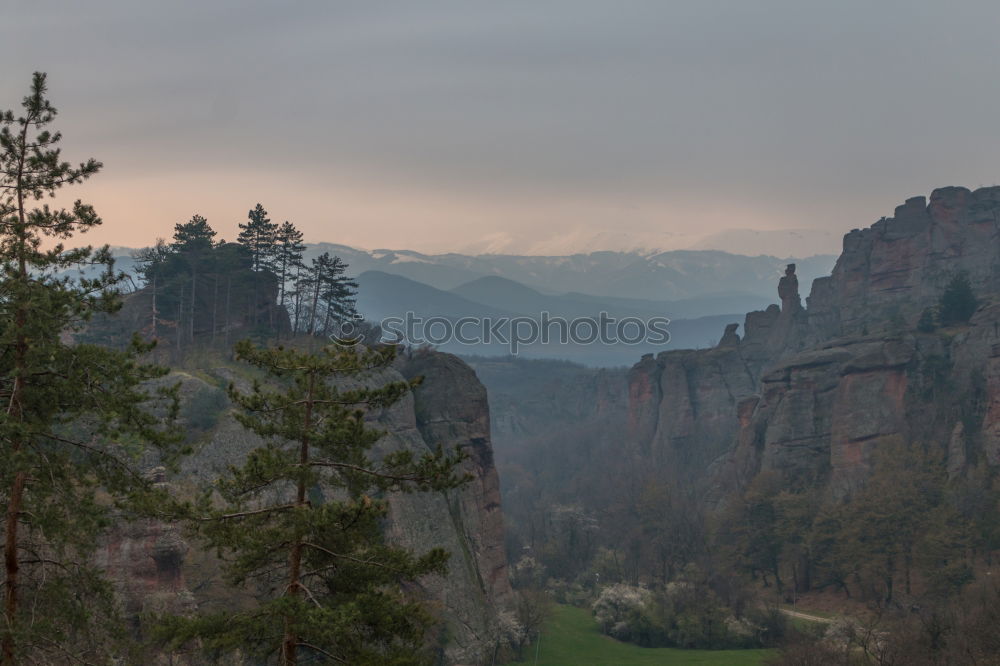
571	638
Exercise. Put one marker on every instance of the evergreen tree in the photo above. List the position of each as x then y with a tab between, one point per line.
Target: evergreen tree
751	526
958	303
300	291
339	302
229	259
301	521
259	235
194	236
288	257
73	416
331	293
193	242
883	522
150	264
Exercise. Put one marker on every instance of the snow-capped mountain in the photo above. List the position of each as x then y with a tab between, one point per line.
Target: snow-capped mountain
658	276
748	242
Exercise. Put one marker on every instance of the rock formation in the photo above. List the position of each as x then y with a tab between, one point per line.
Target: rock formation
812	392
730	338
154	569
900	264
145	560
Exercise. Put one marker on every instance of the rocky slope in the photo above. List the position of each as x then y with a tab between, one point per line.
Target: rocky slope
811	392
155	570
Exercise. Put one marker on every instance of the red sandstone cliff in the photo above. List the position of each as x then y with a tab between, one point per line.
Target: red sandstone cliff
154	570
812	392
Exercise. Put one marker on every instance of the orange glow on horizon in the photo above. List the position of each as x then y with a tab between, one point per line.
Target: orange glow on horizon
137	210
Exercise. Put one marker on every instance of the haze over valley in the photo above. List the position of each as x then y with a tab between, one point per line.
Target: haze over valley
484	334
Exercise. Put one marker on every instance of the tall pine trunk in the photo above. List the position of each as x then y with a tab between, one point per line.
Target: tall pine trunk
15	413
326	319
194	283
152	309
315	304
290	642
298	299
282	278
180	324
215	306
229	293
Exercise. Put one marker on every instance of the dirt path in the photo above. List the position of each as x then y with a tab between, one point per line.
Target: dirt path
806	616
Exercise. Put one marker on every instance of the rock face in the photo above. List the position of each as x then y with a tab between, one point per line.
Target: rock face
146	560
900	264
155	570
812	392
682	404
449	409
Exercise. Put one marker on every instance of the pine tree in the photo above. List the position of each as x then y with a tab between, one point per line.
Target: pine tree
150	264
193	242
300	291
193	236
301	521
74	414
331	293
259	235
958	302
229	259
339	302
288	257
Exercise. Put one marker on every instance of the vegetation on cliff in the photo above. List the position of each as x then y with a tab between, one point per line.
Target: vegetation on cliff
299	522
301	519
75	416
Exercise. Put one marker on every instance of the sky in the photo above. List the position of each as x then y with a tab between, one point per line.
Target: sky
523	125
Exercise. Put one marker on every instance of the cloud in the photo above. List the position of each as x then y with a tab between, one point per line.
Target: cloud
797	114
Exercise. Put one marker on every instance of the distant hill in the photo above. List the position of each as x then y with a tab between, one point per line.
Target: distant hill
779	242
666	276
582	240
382	295
513	296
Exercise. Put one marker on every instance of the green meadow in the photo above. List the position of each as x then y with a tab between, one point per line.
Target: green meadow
571	638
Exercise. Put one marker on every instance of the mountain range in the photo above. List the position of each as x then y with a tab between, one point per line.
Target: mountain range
750	242
693	288
661	276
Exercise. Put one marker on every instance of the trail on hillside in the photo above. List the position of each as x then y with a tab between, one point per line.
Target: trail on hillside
806	616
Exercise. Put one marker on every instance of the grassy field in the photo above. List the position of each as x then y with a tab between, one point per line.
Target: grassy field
571	638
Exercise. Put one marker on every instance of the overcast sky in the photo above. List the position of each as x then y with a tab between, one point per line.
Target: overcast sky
429	125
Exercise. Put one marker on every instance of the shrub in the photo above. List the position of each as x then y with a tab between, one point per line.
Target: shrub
957	303
926	322
528	573
202	411
619	610
565	592
682	615
510	636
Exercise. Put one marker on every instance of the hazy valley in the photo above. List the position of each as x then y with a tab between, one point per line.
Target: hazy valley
573	333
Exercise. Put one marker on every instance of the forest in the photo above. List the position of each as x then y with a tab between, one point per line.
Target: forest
93	427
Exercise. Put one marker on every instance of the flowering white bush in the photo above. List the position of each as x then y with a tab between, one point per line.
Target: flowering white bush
528	572
741	627
616	605
510	632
